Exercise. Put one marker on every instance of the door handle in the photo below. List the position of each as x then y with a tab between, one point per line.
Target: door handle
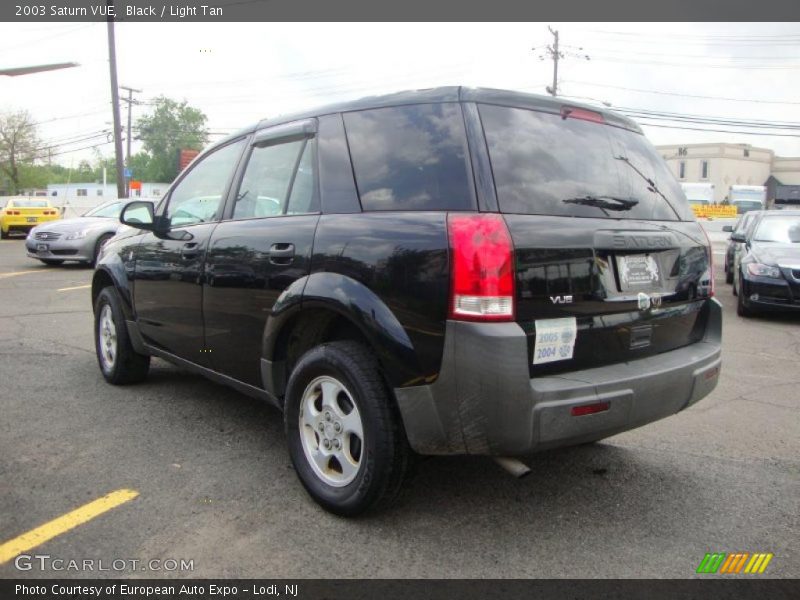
190	250
281	254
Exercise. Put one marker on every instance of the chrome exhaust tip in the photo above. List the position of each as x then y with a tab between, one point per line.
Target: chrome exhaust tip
513	466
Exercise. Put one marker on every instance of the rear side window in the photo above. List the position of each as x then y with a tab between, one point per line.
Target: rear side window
274	173
410	157
546	165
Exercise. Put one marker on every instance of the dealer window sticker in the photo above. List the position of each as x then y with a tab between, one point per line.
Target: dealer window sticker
555	339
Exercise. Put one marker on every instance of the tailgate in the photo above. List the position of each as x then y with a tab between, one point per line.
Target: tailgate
628	289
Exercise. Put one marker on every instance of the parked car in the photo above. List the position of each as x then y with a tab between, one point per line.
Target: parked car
450	271
742	226
22	214
79	239
767	265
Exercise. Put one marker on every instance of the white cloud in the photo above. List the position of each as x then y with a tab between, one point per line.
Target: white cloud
239	73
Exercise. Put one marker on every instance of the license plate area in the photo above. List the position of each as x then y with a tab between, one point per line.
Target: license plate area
638	272
31	219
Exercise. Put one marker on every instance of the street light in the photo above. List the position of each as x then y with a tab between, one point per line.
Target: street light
15	71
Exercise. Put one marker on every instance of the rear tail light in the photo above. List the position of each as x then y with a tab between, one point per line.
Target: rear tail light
13	212
481	268
710	249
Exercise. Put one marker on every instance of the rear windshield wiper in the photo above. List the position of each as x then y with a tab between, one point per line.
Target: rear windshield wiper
604	202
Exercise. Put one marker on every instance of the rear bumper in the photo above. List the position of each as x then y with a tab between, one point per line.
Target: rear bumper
17	223
485	403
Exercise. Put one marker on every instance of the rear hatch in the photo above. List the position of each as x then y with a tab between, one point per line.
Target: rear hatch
31	211
610	263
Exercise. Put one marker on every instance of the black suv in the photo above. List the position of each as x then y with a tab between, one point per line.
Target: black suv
447	271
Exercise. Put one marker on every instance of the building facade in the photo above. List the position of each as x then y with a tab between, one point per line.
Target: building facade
725	165
97	192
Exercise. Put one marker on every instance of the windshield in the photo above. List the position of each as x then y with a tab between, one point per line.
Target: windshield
784	230
106	210
544	164
746	205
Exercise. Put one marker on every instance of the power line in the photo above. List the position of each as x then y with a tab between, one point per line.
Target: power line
662	93
720	130
711	119
652	63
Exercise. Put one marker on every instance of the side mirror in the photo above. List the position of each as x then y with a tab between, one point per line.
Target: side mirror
141	215
727	228
738	237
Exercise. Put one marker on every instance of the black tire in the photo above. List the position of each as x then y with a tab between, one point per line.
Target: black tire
99	246
385	457
4	235
741	304
728	276
52	262
127	366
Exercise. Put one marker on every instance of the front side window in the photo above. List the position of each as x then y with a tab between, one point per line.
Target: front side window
410	157
278	180
197	198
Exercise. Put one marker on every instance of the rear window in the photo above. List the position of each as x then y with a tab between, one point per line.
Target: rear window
546	165
29	204
410	157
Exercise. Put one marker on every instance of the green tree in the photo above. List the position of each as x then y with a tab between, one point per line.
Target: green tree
19	144
170	127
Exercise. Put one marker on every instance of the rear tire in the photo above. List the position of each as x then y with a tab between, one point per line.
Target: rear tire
119	362
728	275
345	436
4	235
51	262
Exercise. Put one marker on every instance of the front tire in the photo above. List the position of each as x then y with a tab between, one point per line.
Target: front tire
119	362
101	241
344	432
741	304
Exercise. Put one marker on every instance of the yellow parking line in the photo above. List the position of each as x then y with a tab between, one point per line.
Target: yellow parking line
77	287
15	273
62	524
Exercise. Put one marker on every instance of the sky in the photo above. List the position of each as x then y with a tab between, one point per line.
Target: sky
239	73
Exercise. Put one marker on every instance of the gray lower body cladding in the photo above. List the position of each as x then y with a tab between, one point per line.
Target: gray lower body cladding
484	401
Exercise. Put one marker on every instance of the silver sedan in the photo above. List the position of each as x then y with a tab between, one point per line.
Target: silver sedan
79	239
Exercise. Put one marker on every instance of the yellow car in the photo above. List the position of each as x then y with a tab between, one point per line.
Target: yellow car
23	214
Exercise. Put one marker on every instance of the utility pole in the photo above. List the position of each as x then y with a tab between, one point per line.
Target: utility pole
112	66
130	102
554	52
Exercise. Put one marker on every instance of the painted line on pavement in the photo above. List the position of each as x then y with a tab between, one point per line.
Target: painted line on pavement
15	273
77	287
79	516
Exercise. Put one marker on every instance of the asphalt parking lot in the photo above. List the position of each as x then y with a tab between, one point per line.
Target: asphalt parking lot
215	485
